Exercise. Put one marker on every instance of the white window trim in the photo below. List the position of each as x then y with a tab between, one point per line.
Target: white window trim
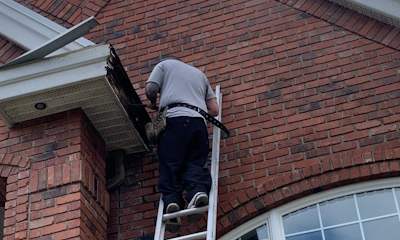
273	218
29	29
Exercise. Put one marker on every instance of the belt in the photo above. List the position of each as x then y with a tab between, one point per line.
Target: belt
208	117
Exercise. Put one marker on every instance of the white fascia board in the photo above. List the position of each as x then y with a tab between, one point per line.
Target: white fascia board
383	10
53	72
56	43
29	29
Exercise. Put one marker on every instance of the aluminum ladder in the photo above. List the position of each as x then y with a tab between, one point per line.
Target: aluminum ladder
210	234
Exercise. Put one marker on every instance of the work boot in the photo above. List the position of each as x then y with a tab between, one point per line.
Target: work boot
200	199
173	225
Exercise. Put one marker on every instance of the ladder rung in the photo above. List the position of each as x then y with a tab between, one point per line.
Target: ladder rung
193	236
185	212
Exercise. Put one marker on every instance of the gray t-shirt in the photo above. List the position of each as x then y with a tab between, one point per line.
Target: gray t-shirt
181	83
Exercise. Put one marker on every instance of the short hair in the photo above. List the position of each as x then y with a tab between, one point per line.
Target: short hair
167	57
152	63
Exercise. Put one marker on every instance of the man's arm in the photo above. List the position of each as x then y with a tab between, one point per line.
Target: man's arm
212	107
211	99
151	92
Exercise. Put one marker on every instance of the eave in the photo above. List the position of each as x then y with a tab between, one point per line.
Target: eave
92	79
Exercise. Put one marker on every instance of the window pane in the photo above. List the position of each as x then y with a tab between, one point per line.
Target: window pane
350	232
398	195
340	210
301	220
307	236
261	233
377	203
382	229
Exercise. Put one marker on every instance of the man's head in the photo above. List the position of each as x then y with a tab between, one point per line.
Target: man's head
168	57
156	61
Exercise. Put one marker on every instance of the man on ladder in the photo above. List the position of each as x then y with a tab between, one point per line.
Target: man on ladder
183	146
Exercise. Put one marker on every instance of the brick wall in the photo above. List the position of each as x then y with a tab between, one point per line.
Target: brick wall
8	50
67	13
95	200
3	184
311	93
51	165
133	208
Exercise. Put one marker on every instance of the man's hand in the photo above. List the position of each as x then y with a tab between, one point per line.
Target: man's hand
153	106
151	92
212	107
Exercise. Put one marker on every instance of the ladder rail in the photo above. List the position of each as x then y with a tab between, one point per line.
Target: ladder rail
213	200
160	226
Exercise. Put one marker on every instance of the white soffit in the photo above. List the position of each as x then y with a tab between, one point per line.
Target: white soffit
29	29
387	11
78	79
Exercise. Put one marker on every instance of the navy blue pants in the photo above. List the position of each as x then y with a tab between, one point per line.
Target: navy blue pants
183	153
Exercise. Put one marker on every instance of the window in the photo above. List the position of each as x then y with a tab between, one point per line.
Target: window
367	211
260	233
363	216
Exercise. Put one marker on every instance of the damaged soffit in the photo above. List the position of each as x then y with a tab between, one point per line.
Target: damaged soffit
90	77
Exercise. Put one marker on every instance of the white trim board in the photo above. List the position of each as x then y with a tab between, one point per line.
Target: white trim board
29	29
46	74
386	11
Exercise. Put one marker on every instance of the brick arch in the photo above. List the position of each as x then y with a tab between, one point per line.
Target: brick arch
12	163
275	196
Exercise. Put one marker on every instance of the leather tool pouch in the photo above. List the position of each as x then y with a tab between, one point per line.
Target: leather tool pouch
156	126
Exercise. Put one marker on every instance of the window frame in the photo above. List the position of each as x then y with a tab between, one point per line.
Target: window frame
274	217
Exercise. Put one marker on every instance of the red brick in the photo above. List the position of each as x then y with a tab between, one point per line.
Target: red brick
341	131
344	146
228	39
368	124
355	135
41	222
67	234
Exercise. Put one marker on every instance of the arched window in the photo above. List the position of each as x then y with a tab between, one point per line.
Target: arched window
367	211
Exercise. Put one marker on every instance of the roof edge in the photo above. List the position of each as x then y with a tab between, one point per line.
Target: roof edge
18	20
91	78
385	10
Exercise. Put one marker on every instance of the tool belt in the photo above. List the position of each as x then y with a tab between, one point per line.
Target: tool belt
158	125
